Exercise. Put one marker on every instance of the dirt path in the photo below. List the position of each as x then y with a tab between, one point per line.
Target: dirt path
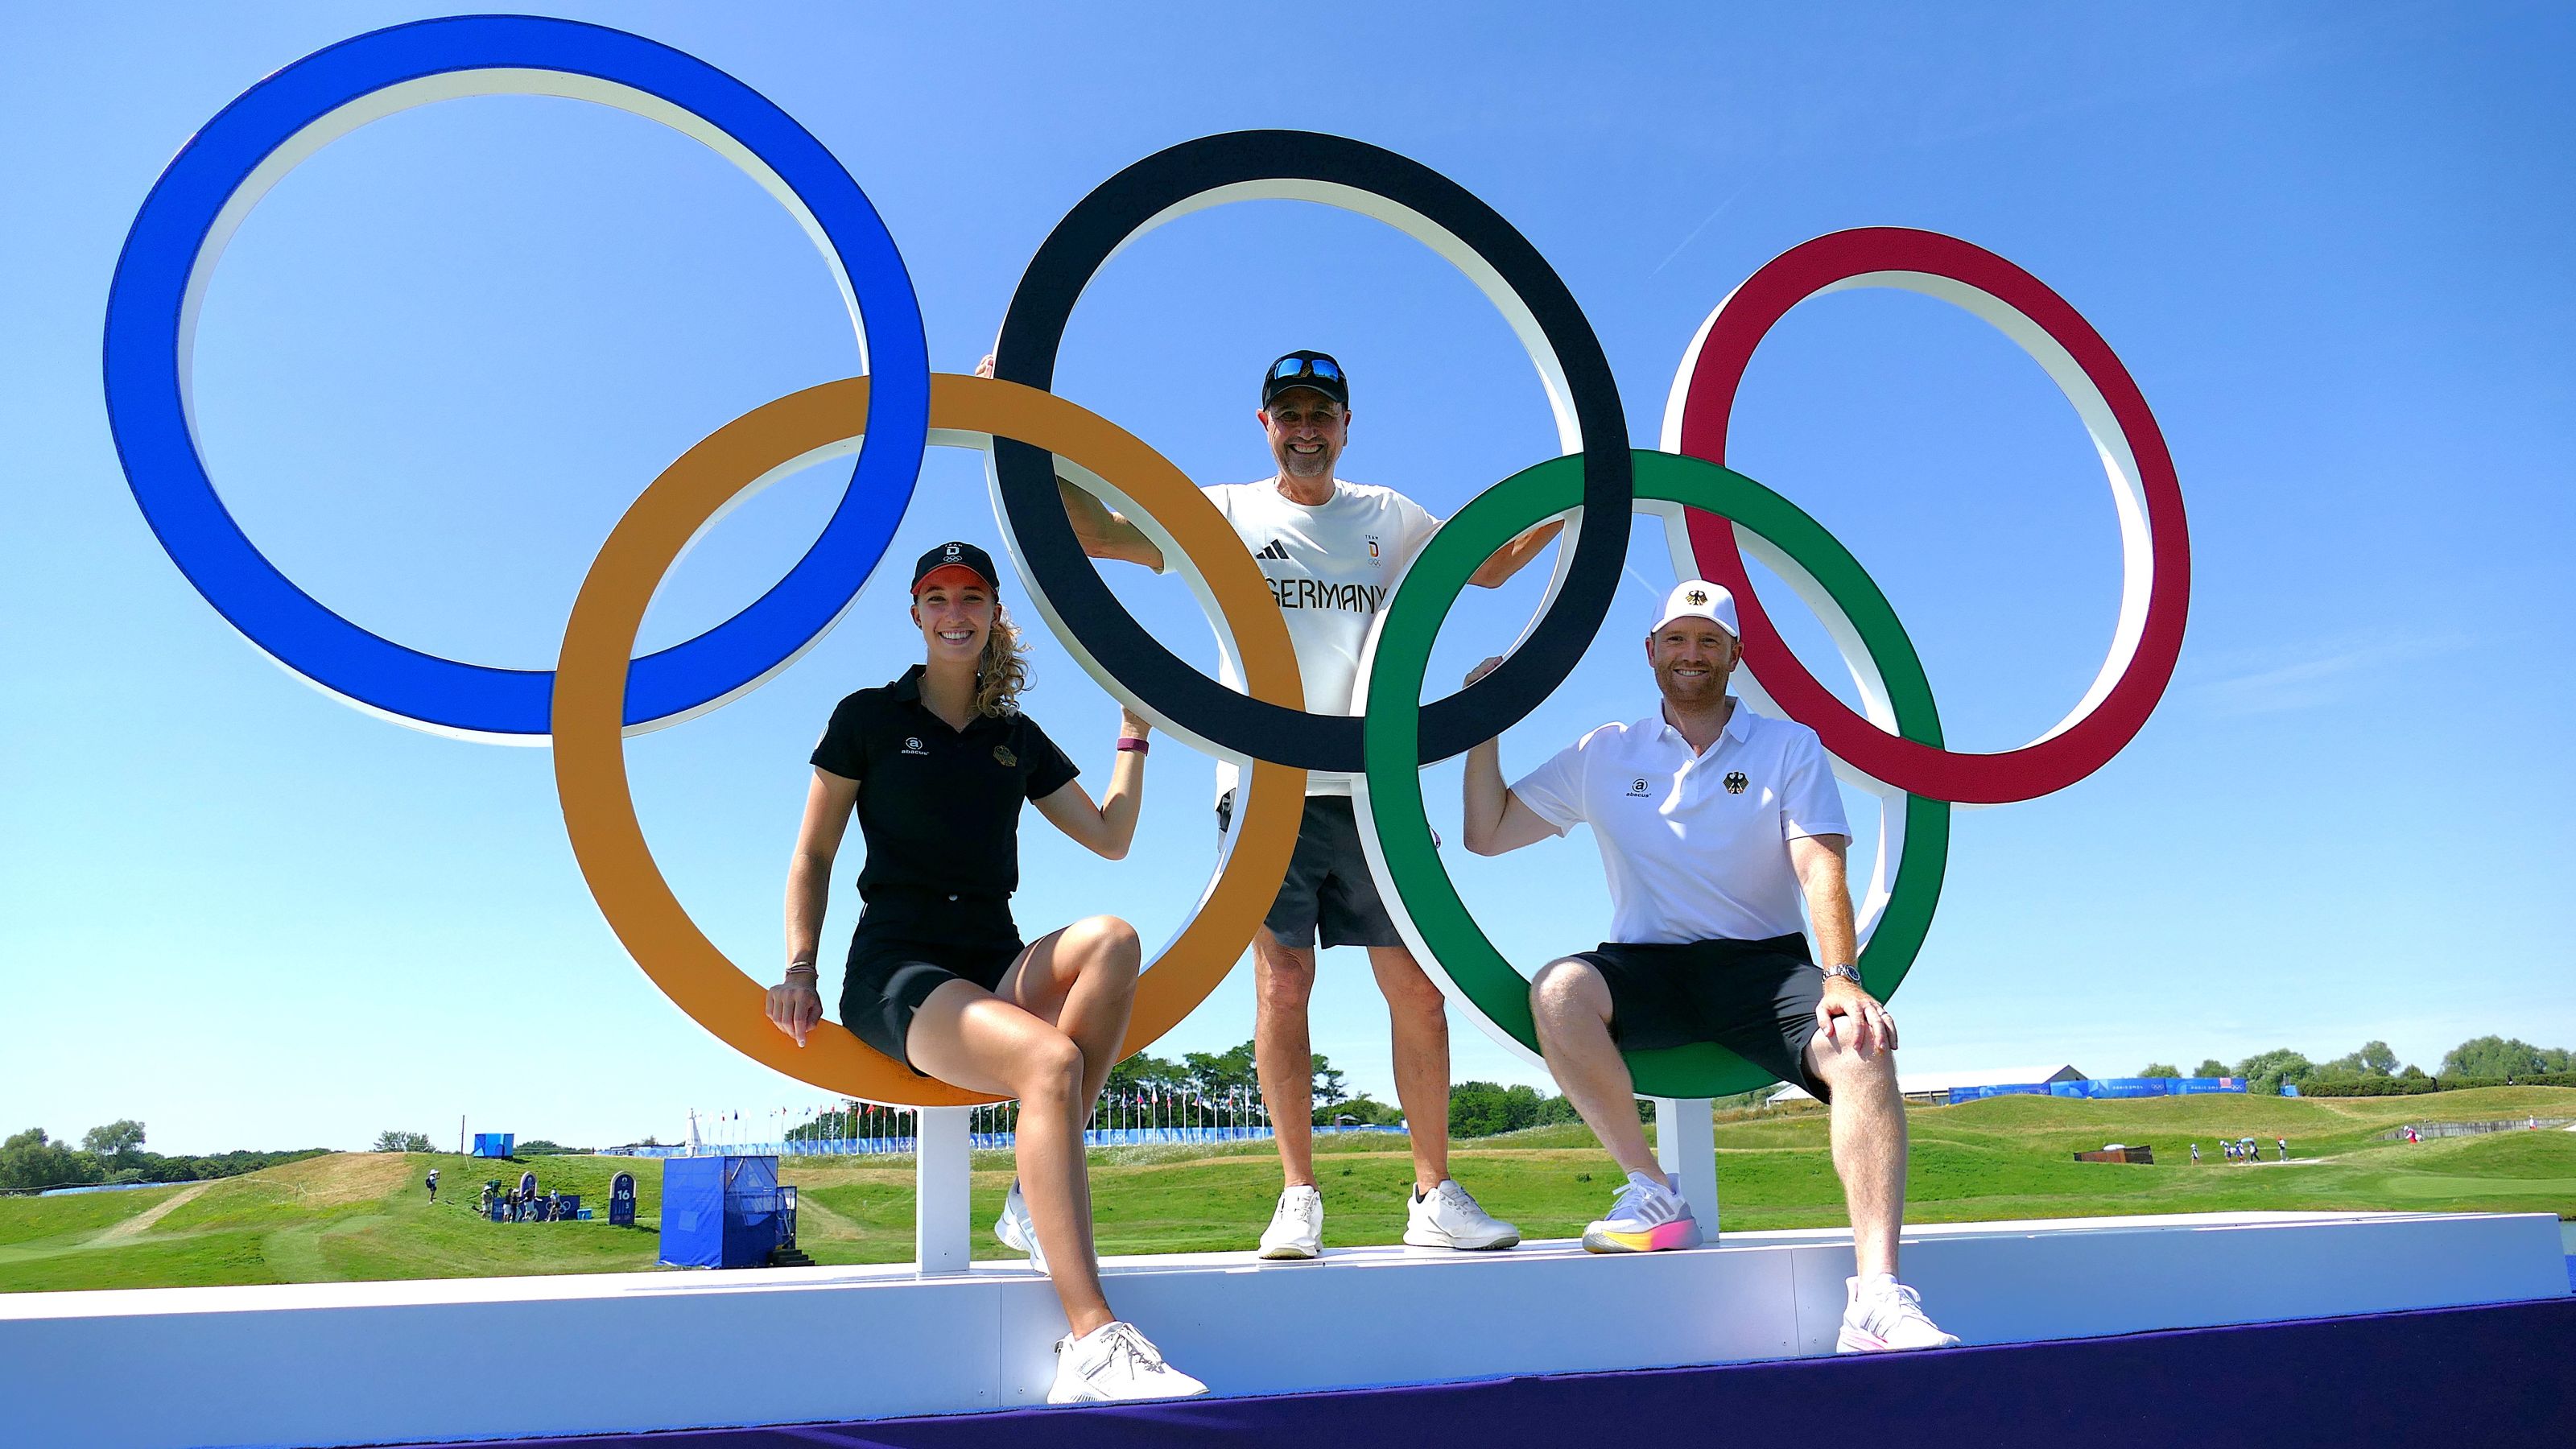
142	1222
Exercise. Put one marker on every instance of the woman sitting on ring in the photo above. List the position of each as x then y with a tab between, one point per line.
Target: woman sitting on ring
936	765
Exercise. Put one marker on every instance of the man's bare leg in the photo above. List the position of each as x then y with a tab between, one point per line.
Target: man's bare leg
1572	1006
1418	1016
1283	978
1869	1142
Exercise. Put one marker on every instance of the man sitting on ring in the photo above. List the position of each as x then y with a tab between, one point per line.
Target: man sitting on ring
1711	820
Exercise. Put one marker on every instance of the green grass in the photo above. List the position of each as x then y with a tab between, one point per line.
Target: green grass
364	1216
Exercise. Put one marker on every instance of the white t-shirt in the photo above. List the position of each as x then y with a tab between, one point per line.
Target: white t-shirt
1696	846
1331	568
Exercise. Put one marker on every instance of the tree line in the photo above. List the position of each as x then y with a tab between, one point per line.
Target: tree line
2372	1068
113	1154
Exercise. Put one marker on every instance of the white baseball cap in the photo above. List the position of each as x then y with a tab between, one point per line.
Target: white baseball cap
1698	599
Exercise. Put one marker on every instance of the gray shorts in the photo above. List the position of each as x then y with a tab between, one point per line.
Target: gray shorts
1329	893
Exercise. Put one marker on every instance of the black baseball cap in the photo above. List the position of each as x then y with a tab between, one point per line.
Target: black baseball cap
955	555
1317	370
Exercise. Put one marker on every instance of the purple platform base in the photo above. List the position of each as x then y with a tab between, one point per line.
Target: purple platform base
2503	1374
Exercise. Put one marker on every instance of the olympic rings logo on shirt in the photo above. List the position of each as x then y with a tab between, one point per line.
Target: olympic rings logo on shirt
597	694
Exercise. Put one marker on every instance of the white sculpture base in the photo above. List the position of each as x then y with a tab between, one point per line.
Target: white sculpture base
363	1363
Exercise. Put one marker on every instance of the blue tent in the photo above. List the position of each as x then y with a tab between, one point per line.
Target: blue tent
719	1212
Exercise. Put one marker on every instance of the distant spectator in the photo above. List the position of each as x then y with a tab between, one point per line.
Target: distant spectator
2284	1144
433	1184
2195	1154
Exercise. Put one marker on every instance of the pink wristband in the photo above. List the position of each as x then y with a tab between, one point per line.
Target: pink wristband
1132	742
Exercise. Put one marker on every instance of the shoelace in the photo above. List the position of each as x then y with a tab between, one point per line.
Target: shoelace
1123	1338
1632	1201
1894	1306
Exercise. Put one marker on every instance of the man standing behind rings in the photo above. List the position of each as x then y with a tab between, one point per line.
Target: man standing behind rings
1332	552
1713	821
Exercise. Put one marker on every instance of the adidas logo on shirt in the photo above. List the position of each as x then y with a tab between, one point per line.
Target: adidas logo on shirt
1274	550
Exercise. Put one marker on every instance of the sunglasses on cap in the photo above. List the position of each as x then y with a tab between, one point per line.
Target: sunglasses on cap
1314	370
1300	366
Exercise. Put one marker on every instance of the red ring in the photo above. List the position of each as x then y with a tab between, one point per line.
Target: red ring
1717	370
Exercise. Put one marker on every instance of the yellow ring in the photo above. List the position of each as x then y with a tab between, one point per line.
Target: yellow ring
590	692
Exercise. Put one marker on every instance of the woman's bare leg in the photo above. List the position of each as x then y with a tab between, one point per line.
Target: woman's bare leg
966	1036
1083	980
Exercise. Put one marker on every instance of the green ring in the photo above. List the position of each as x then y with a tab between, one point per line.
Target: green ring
1392	798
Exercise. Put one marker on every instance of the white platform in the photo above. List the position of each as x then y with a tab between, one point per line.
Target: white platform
354	1363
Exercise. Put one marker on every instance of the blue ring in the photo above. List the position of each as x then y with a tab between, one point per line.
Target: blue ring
159	451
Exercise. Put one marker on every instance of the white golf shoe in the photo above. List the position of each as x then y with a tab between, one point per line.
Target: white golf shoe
1297	1227
1114	1363
1016	1232
1447	1217
1882	1315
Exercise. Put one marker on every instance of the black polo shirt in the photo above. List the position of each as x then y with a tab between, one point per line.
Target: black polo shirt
939	809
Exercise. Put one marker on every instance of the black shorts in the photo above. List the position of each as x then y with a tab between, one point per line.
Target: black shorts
1757	999
889	977
1329	892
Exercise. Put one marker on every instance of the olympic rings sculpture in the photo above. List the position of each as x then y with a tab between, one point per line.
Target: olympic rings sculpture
596	695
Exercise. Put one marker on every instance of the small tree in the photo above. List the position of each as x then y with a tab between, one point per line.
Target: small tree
2160	1069
1329	1090
2497	1056
2264	1072
2374	1059
2210	1067
391	1141
115	1143
31	1159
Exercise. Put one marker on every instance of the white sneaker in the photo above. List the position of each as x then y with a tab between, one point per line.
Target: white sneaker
1015	1230
1884	1316
1297	1228
1115	1363
1446	1217
1648	1217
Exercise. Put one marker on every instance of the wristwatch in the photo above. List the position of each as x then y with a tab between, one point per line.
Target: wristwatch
1848	973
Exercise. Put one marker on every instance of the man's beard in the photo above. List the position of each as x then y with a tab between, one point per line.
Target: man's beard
1306	465
1696	691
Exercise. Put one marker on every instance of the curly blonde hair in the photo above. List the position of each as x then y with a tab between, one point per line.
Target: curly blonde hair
1002	671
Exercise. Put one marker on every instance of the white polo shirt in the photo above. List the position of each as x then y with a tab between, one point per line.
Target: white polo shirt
1696	846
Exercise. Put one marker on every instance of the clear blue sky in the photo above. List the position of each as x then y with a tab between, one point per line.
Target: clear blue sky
2330	241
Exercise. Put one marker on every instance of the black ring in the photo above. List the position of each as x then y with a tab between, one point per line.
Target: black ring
1033	333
